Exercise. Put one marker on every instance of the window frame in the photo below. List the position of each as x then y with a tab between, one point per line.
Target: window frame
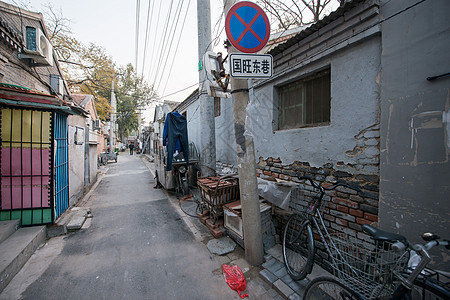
303	81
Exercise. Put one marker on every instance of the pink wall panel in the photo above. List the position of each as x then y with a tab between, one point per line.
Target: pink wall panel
32	162
32	188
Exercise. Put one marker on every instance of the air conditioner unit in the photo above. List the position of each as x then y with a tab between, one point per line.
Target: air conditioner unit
38	47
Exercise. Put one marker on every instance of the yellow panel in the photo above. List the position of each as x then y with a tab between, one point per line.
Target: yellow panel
46	121
16	127
6	124
26	128
37	118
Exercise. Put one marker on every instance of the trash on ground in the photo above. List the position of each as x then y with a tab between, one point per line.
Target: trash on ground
235	279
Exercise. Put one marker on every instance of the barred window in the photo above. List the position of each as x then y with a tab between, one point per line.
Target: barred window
305	102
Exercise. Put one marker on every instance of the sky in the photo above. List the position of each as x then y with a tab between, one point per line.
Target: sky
111	24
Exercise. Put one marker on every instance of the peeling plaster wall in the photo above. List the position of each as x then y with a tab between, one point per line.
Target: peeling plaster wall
350	142
415	167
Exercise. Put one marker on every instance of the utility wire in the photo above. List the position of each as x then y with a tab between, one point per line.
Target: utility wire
163	41
138	8
178	44
172	34
147	30
150	69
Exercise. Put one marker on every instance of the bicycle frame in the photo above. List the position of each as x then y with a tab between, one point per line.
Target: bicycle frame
314	214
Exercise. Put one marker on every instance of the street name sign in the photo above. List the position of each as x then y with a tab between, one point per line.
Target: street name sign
251	65
247	27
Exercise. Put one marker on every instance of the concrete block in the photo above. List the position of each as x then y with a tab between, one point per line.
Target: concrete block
268	263
221	246
281	272
295	296
268	277
283	289
286	278
295	286
276	267
76	223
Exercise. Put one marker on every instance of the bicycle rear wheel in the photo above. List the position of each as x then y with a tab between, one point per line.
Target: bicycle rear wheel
327	288
298	247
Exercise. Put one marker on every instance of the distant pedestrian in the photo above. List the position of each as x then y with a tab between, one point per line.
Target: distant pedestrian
131	148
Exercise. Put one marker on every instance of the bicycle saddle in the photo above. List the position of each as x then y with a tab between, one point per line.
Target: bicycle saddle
381	235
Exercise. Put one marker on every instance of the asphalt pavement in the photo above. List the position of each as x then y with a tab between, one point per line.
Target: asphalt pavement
136	246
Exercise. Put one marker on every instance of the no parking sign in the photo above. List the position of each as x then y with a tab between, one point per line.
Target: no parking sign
247	27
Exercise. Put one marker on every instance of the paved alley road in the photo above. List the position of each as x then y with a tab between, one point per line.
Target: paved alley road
137	247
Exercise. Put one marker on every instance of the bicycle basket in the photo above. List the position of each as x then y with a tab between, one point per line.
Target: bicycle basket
303	195
366	267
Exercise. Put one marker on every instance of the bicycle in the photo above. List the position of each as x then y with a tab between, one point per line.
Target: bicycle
369	270
415	281
298	240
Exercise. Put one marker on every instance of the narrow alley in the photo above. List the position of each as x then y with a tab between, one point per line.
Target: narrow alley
137	247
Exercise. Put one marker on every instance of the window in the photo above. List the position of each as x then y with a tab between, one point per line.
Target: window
305	102
216	106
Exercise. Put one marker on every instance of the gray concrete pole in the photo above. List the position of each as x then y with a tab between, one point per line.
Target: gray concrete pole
245	151
208	130
112	137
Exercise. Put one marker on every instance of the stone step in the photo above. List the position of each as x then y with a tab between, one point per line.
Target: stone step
7	228
17	249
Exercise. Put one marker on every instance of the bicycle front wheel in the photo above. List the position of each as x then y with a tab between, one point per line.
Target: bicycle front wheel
327	288
429	289
298	247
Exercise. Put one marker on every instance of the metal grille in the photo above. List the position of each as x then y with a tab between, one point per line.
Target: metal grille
61	164
25	166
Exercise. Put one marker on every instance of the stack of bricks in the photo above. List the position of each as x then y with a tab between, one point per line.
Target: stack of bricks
214	229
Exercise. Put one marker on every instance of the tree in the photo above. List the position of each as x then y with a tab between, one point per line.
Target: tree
297	12
90	70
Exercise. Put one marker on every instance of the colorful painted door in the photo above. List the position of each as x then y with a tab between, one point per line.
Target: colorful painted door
26	166
61	164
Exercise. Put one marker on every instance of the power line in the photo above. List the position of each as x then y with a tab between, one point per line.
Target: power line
171	41
160	51
138	8
154	44
146	34
178	44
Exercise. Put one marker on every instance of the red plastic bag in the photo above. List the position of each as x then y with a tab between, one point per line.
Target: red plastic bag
235	279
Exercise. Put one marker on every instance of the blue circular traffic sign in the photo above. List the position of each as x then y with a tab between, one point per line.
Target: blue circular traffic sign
247	27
